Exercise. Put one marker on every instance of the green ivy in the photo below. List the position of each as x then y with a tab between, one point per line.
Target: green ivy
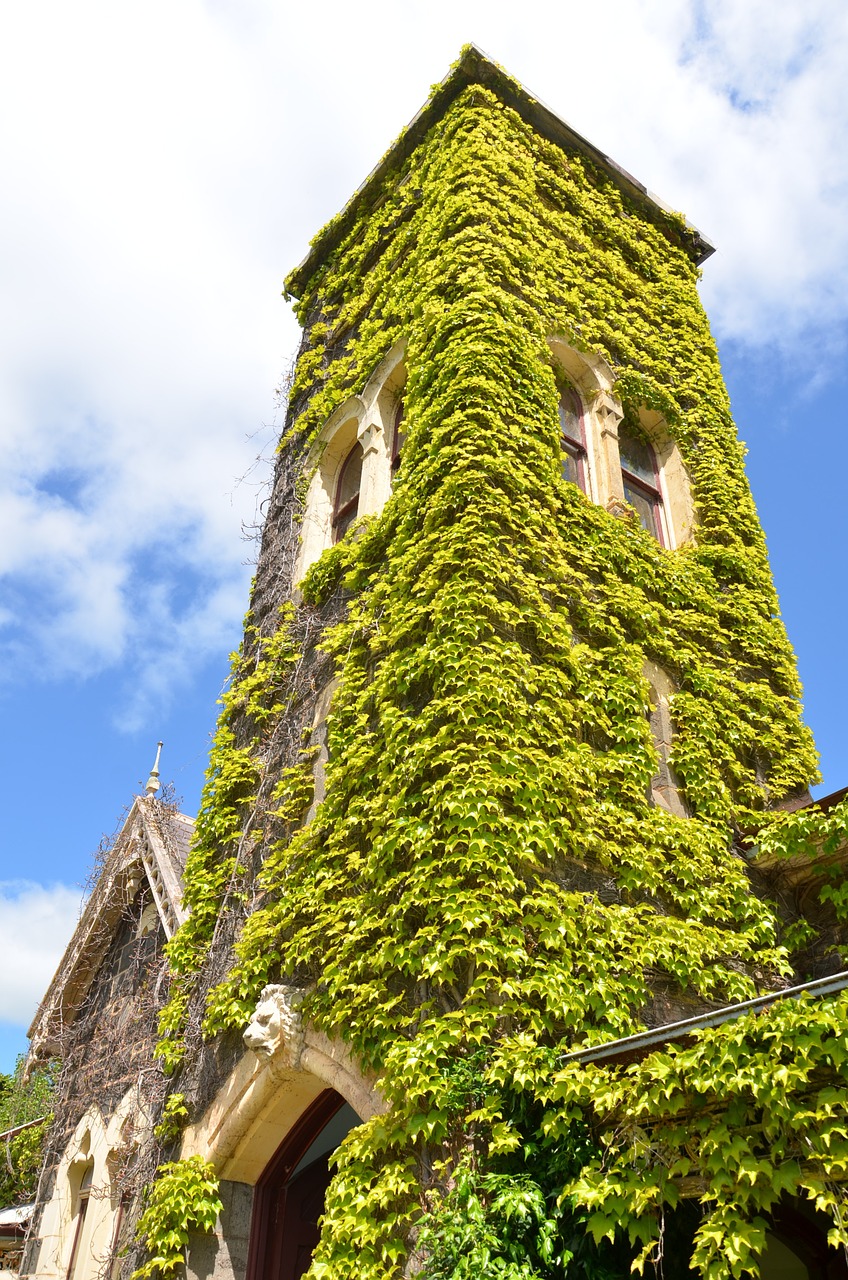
486	884
755	1109
24	1099
174	1118
184	1198
258	693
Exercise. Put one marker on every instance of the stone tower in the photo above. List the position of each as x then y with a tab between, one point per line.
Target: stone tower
513	701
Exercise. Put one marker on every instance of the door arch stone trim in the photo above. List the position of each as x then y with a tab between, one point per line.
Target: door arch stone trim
269	1193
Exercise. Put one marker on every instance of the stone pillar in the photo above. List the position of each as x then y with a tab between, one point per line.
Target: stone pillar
222	1254
608	414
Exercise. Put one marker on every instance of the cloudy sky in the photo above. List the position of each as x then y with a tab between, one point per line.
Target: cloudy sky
164	165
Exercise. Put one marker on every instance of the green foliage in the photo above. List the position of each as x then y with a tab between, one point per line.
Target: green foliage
754	1110
184	1198
258	693
505	1215
22	1101
486	883
494	1225
328	572
174	1118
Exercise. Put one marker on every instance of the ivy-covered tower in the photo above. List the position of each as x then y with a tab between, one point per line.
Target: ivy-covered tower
514	716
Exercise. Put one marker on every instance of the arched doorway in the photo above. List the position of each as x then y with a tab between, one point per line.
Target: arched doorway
289	1197
797	1246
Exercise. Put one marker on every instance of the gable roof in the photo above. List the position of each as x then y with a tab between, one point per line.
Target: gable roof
153	844
475	67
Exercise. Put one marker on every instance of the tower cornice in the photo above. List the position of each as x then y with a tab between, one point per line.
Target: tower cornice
474	67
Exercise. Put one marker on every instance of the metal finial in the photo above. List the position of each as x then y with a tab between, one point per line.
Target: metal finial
153	781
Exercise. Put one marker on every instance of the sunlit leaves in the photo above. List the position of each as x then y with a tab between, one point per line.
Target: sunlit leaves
486	884
184	1198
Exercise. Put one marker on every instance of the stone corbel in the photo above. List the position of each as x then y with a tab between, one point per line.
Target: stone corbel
79	1160
134	877
287	1066
609	413
275	1033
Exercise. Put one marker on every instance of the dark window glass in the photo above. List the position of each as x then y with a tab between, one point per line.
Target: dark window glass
75	1249
398	441
572	438
346	505
637	456
640	476
116	1235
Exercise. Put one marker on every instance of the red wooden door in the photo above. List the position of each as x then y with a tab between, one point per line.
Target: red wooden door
286	1204
298	1223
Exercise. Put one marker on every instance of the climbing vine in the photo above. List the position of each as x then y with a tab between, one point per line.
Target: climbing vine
257	696
486	884
174	1119
26	1110
184	1198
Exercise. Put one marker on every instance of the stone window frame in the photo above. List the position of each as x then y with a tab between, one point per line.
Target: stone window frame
81	1178
643	488
369	419
677	509
397	441
664	789
65	1236
592	379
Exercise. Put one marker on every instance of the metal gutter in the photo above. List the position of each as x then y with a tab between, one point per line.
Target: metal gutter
679	1030
15	1216
10	1133
828	802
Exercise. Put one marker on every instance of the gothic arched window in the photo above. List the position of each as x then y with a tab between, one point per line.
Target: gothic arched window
86	1177
346	505
572	438
398	441
641	479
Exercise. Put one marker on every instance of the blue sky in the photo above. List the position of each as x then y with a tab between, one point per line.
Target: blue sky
166	165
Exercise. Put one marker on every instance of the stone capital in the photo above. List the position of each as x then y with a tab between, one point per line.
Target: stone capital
370	436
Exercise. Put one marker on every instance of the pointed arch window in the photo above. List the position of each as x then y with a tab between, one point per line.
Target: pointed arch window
82	1198
572	438
346	505
398	441
641	479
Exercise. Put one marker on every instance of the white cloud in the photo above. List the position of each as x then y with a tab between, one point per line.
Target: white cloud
36	923
169	162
